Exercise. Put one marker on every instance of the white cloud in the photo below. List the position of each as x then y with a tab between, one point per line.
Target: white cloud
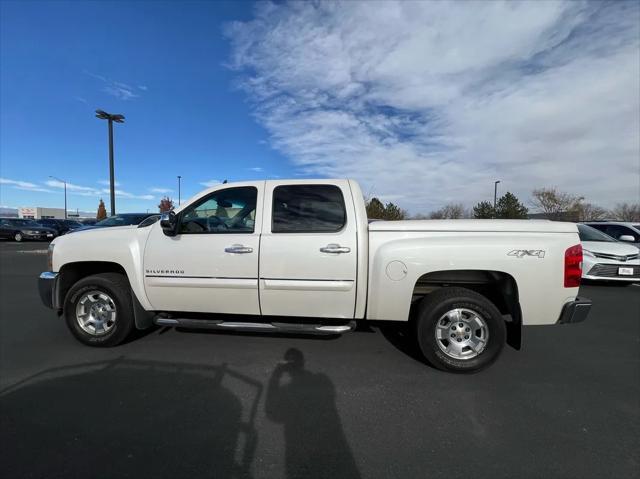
430	102
127	195
115	88
96	192
210	183
24	185
257	169
73	188
107	183
161	190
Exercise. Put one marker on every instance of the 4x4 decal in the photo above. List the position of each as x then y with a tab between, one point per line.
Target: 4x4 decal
521	253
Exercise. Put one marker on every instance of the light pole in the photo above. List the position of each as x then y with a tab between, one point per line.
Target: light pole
179	178
495	196
65	194
103	115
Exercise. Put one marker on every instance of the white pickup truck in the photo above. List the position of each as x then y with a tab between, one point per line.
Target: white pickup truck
301	256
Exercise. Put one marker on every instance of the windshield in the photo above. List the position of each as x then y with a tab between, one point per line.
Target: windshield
121	220
587	233
636	227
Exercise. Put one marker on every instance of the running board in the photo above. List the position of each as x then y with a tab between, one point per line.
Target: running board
275	327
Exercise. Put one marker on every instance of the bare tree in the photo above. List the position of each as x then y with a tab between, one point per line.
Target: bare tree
166	204
591	212
451	211
626	212
554	203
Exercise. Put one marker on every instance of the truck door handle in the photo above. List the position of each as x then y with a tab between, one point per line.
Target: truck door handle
238	249
335	248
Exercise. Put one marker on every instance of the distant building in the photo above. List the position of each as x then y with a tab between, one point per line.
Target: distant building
39	213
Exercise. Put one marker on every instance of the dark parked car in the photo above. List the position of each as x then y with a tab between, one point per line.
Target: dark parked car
123	219
19	229
87	221
61	226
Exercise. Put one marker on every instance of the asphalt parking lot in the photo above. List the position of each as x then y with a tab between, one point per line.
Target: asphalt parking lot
193	404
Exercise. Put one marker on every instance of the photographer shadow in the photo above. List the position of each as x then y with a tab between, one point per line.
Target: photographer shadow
305	404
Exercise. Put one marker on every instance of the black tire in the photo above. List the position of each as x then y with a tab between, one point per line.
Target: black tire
116	286
435	305
18	237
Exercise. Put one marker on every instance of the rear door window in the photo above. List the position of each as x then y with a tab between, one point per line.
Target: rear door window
308	209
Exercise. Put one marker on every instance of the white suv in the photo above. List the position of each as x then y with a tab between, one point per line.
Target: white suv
620	230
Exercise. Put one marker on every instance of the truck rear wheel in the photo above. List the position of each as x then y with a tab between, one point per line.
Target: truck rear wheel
459	330
98	310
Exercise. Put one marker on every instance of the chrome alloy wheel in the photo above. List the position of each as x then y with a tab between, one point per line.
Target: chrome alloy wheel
96	313
462	333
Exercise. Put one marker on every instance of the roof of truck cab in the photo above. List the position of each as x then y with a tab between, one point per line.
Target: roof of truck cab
536	226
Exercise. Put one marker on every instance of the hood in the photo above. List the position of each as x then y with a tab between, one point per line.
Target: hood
96	227
606	247
533	226
81	239
119	244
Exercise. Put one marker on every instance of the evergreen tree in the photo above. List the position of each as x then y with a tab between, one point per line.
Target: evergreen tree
509	207
483	210
378	211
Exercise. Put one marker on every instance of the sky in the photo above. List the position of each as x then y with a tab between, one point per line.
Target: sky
423	103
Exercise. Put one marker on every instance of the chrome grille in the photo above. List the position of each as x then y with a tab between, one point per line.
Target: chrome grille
611	271
616	257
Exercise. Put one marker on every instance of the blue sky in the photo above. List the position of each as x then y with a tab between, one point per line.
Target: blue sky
159	64
424	103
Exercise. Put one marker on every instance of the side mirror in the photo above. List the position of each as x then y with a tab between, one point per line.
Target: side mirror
169	223
627	238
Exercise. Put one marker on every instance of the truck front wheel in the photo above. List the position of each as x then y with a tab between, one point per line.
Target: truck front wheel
459	330
98	310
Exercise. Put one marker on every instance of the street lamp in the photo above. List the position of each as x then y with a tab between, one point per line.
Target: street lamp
65	194
179	178
103	115
495	196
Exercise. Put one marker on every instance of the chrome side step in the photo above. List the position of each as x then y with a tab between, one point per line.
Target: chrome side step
274	327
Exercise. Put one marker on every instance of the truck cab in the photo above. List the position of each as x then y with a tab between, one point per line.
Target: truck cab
258	248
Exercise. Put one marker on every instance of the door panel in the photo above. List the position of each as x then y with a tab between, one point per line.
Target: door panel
299	276
212	264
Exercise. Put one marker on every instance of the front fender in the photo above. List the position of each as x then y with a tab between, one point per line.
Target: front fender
123	246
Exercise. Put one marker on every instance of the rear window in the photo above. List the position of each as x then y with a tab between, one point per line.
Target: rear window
308	209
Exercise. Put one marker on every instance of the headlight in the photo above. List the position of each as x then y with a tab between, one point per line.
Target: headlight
50	257
588	253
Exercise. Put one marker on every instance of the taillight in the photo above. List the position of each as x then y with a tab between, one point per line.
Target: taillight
573	266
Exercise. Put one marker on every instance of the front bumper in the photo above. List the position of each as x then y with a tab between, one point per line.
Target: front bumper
48	289
575	311
610	271
39	236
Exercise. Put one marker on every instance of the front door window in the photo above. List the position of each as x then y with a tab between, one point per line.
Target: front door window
227	211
